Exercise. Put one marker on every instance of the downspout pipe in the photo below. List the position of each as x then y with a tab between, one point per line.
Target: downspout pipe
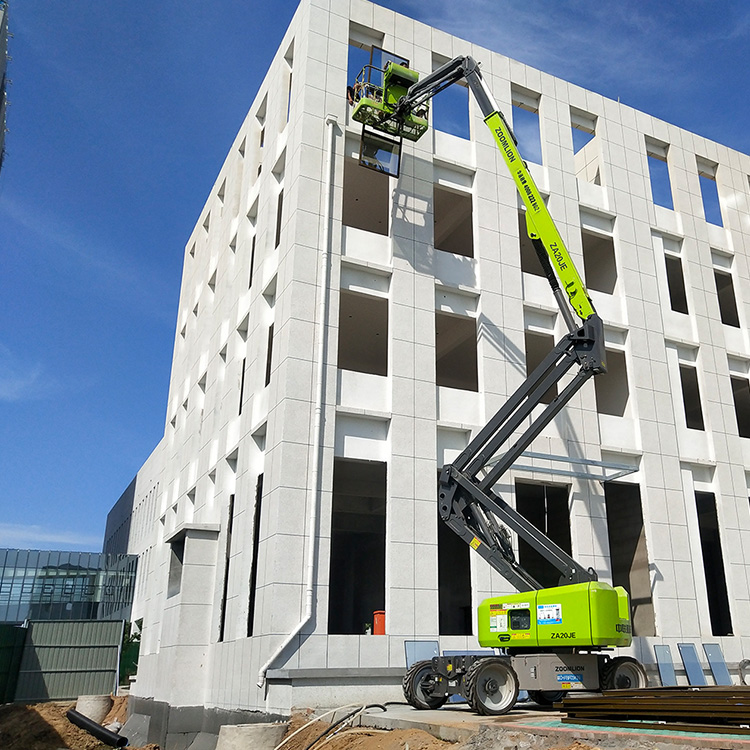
322	319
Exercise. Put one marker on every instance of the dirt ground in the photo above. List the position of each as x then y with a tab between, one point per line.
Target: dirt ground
44	726
366	738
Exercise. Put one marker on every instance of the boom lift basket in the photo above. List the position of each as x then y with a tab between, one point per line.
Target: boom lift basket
376	93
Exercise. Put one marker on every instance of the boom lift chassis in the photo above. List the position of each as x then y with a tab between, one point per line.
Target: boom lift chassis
466	498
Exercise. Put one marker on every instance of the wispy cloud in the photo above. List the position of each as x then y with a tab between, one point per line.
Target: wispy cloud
32	536
23	381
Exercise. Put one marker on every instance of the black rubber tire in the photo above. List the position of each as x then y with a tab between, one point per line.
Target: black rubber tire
547	697
623	673
416	689
491	686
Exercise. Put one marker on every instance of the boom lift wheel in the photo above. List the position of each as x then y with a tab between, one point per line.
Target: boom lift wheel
547	697
418	685
491	686
623	673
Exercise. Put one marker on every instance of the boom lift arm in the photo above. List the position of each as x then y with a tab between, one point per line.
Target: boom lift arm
467	502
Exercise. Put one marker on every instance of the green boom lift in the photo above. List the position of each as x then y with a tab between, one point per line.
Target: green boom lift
551	639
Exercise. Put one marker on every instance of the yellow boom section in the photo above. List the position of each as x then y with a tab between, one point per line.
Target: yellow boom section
538	220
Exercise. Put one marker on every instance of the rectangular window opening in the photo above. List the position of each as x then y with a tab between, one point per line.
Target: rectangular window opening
450	110
452	212
741	396
366	199
227	558
357	561
658	172
242	385
176	558
454	583
546	507
628	552
269	355
611	388
727	299
538	346
526	126
691	397
599	262
676	284
586	151
529	259
254	563
279	217
363	333
456	351
709	191
252	263
713	564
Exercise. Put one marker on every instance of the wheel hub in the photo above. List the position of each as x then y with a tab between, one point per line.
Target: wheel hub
491	686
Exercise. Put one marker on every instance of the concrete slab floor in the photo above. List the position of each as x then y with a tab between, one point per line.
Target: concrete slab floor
457	723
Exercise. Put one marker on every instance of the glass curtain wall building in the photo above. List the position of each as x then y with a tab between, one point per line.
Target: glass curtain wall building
49	585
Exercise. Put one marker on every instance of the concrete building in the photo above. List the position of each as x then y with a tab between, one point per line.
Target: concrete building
341	335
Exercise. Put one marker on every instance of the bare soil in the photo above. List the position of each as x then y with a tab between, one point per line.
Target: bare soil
357	738
44	726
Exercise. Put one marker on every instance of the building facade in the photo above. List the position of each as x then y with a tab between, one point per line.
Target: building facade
341	335
51	585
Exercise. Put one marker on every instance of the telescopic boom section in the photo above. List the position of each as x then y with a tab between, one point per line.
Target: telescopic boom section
466	498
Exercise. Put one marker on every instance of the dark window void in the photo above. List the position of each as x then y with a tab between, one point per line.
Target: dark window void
242	385
363	333
676	284
530	262
456	352
628	553
538	346
366	201
526	130
450	111
599	262
227	559
254	563
357	573
710	195
713	564
727	301
454	583
545	506
269	355
661	187
176	557
279	218
691	397
611	388
453	227
252	264
741	394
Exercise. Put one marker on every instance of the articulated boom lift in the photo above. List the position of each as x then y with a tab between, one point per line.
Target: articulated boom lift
551	637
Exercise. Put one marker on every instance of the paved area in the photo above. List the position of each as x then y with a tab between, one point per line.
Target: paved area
457	723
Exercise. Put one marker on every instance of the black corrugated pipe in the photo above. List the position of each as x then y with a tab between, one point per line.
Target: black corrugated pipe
96	730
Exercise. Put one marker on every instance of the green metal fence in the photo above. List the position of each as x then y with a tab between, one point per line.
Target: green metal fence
63	659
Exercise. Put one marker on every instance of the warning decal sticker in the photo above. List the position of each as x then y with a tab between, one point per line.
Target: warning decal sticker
549	614
498	618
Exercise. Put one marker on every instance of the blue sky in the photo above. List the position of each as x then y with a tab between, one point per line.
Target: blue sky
120	117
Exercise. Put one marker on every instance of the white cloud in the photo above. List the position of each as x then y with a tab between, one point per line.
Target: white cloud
22	381
32	536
